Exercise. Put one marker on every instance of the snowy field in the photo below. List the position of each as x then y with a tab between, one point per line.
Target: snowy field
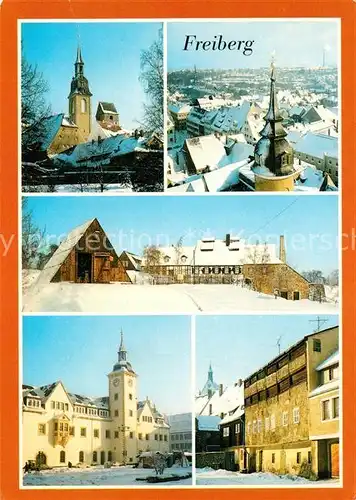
99	476
208	476
127	298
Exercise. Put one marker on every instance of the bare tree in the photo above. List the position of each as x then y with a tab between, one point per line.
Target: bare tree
151	78
178	250
152	256
314	276
258	255
32	237
34	107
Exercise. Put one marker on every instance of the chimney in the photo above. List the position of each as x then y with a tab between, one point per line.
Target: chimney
282	249
228	240
221	389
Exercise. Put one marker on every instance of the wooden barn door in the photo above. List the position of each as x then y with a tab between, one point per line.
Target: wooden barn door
334	459
101	268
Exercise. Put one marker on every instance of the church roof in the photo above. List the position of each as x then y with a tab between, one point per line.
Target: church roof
107	107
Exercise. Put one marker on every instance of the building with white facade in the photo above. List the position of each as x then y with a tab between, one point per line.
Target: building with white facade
59	427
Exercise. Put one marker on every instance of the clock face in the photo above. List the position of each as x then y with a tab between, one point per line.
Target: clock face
115	382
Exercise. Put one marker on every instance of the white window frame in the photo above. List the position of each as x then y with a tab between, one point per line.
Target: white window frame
267	424
331	403
259	425
285	419
226	431
296	415
273	422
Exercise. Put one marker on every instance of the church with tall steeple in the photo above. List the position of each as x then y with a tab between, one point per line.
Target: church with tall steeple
273	156
80	99
61	427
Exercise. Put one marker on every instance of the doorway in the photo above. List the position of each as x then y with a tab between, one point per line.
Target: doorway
84	271
284	295
102	457
41	459
334	460
296	295
260	460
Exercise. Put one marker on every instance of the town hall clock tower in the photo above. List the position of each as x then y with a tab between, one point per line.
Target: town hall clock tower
123	408
79	100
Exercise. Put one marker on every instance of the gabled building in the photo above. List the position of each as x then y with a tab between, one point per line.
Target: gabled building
282	410
86	255
324	407
59	427
260	267
107	115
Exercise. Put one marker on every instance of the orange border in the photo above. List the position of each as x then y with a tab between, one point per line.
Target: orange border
13	10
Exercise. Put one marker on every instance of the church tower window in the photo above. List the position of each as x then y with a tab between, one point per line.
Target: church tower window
83	106
62	457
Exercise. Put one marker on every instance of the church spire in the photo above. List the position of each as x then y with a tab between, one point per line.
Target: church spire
79	56
273	151
210	373
122	351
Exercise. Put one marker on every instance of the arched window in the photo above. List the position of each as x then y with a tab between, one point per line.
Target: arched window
81	457
62	457
95	456
109	456
83	105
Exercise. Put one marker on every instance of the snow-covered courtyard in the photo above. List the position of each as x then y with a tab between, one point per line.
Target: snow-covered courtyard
100	476
183	298
208	476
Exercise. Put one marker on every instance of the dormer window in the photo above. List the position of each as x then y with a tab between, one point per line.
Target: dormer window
166	258
183	258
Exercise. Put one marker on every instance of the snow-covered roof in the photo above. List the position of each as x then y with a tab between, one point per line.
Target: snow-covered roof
108	107
43	392
218	252
108	148
62	252
49	129
317	145
208	423
67	122
330	386
233	415
330	361
231	399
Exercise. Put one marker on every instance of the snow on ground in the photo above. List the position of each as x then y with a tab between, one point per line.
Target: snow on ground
29	277
208	476
125	298
99	476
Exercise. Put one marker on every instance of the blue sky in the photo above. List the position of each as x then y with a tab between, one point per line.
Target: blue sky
309	223
81	351
236	346
111	53
296	43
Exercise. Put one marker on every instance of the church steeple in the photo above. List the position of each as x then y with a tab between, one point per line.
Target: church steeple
79	63
79	99
122	363
273	152
122	351
210	374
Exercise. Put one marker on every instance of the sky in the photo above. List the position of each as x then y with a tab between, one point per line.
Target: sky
111	54
309	223
81	351
295	43
237	346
